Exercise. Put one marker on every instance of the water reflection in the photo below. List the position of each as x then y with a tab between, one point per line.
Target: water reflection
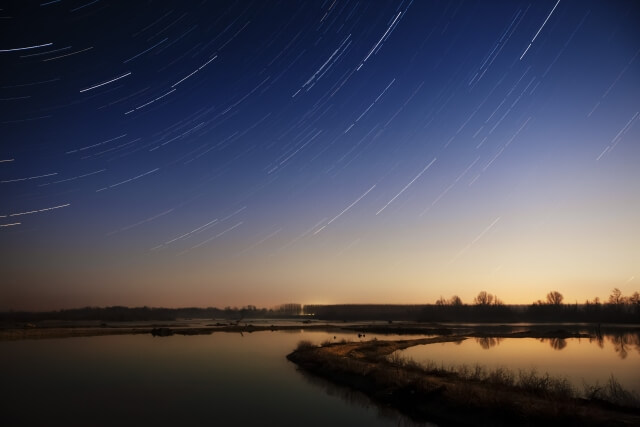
598	339
555	343
488	342
581	360
217	379
622	343
358	399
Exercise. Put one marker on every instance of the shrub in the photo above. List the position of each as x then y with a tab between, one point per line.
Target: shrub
501	376
305	345
613	392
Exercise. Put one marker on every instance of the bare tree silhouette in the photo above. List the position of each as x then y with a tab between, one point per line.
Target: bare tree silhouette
616	297
554	298
634	299
456	301
483	298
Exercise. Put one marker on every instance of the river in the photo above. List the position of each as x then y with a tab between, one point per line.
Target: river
218	379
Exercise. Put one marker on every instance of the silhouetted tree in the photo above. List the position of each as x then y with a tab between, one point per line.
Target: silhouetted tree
554	298
616	297
483	298
456	301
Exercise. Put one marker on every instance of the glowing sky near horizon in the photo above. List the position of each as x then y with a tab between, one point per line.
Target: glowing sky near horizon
233	152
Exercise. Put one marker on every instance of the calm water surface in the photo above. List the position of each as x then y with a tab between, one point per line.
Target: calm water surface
580	360
234	379
218	379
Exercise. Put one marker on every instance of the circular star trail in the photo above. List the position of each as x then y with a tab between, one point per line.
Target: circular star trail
234	152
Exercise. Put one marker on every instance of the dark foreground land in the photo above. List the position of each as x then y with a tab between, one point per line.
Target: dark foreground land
452	398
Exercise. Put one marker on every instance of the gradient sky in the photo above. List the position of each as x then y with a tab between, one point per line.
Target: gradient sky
228	153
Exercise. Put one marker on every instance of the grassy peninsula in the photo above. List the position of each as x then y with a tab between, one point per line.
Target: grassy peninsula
463	396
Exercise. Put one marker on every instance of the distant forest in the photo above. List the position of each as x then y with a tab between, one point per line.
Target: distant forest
485	307
574	313
136	314
489	308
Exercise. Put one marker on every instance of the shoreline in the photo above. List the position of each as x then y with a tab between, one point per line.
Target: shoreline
22	331
158	330
445	397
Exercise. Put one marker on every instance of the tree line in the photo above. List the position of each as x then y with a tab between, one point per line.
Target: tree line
485	307
137	314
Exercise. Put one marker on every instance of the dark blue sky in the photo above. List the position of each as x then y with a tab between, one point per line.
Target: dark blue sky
231	153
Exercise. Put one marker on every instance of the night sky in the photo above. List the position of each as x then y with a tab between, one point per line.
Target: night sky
220	153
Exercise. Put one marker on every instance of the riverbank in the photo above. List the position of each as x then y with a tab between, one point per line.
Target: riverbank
447	398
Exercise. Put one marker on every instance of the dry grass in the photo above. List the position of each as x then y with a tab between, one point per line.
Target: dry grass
464	394
612	391
525	380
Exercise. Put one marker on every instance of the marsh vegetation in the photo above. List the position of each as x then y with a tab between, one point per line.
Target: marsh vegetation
465	394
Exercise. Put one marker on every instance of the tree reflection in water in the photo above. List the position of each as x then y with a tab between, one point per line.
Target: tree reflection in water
488	342
598	338
556	343
622	343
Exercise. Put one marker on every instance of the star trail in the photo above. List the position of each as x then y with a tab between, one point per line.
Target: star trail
220	153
